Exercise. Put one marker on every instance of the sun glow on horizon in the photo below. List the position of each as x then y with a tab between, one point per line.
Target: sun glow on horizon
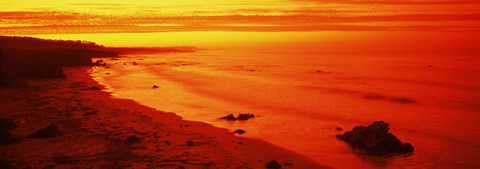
275	24
88	16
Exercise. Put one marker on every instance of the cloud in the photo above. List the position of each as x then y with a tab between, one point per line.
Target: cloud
45	22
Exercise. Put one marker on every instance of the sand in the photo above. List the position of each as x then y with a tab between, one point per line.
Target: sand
99	131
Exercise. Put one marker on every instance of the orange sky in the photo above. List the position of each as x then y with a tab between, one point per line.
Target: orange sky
123	16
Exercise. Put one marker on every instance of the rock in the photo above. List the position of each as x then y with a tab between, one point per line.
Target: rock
131	140
93	88
338	128
99	62
240	131
245	116
135	63
274	164
230	117
7	138
403	100
7	124
190	143
375	140
46	132
154	87
320	71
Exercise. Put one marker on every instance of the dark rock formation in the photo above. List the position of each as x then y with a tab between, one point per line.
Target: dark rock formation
131	140
154	87
240	131
46	132
231	117
274	164
403	100
190	143
245	116
375	140
93	88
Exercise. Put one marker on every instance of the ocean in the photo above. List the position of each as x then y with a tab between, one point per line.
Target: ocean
431	100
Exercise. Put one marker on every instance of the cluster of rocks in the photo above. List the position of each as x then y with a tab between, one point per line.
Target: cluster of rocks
131	140
101	63
6	136
244	116
375	140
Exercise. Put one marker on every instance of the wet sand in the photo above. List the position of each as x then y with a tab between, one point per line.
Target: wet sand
99	131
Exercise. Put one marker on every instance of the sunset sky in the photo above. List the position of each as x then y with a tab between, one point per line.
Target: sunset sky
198	23
92	16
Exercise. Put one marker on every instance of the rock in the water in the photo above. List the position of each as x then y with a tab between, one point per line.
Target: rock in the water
190	143
46	132
230	117
154	87
245	116
131	140
240	131
375	140
274	164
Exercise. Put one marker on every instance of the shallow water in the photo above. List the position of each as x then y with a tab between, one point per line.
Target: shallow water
301	98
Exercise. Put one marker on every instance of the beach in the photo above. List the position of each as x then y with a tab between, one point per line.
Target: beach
69	104
274	84
99	131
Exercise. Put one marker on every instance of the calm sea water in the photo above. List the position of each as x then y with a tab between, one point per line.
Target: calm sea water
431	101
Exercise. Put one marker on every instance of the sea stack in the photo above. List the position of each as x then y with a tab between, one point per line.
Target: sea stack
375	140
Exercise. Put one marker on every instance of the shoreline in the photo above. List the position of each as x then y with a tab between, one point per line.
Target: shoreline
101	131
